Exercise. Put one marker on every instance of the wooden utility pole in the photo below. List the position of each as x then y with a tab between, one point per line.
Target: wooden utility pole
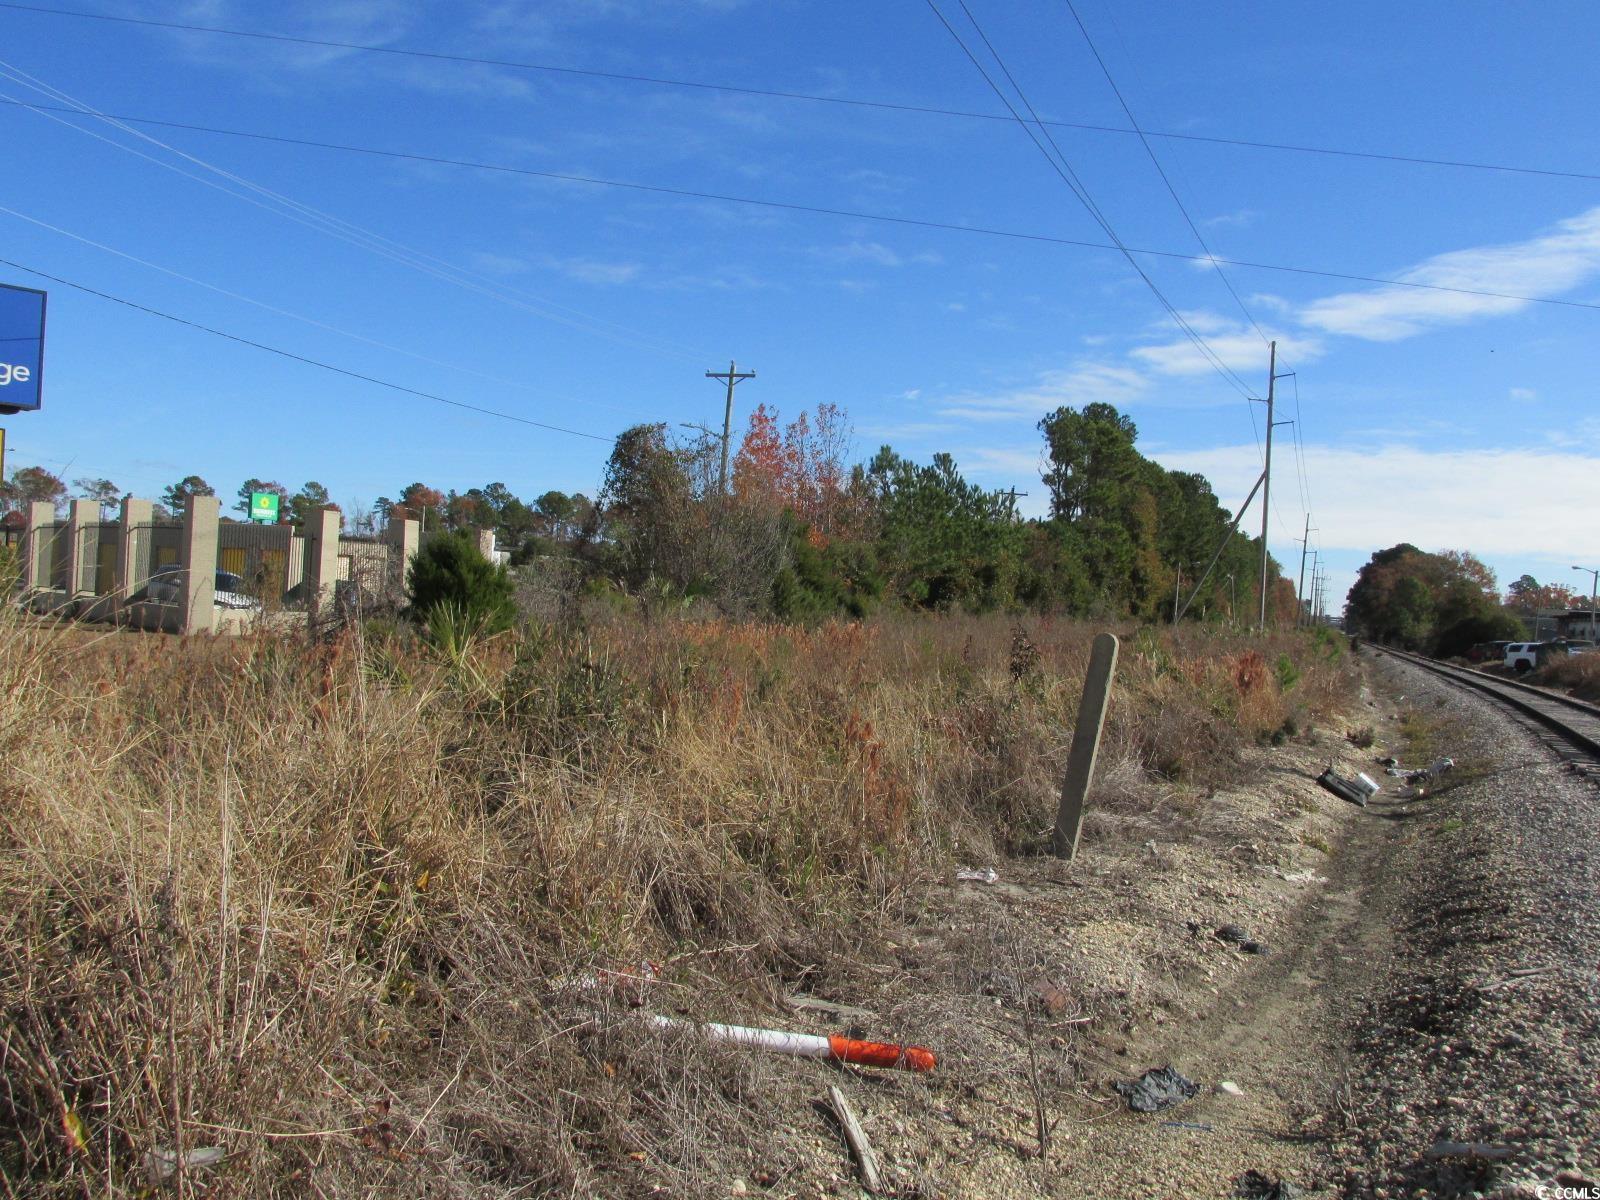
1266	478
732	376
1300	588
1266	475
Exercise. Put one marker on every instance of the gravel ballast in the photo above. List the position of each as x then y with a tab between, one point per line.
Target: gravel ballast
1474	1071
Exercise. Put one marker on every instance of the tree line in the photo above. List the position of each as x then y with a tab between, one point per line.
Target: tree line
799	532
793	529
1446	602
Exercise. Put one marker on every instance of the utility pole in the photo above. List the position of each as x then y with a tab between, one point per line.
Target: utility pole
732	376
1177	588
1300	588
1594	593
1266	477
1012	495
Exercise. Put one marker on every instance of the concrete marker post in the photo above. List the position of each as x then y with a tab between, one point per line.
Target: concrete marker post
1085	744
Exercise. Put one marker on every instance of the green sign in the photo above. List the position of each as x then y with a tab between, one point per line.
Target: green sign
264	507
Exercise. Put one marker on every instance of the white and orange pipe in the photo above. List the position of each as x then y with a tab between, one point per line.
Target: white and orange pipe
809	1045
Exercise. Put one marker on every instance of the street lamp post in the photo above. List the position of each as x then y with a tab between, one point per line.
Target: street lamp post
1594	590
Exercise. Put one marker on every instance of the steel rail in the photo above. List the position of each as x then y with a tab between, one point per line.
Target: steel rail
1542	705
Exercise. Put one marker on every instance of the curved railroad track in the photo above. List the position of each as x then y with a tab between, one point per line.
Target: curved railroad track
1574	722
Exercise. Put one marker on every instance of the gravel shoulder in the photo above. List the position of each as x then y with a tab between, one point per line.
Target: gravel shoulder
1488	1031
1042	989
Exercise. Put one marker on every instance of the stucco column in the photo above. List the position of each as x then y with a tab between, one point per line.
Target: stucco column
201	517
405	538
83	524
37	548
321	533
133	549
486	543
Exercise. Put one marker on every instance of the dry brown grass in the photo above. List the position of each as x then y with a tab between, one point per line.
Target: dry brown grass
315	904
1578	675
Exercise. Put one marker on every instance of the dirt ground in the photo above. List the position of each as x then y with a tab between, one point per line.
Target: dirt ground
1041	989
1344	1043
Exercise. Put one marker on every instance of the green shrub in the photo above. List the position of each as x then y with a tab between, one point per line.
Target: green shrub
1461	636
450	573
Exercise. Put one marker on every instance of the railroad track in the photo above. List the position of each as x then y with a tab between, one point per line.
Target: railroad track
1569	726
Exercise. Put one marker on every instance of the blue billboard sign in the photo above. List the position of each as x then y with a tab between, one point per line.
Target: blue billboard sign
21	348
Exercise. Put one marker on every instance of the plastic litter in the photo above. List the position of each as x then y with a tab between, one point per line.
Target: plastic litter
1255	1185
628	986
978	874
1305	876
1431	772
161	1164
1235	935
1345	789
1228	1088
1156	1089
808	1045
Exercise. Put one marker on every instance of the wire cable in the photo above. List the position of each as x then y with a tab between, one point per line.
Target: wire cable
1063	170
813	209
301	358
1166	180
769	93
338	227
312	321
1160	170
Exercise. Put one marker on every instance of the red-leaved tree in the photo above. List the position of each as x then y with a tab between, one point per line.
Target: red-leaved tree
803	469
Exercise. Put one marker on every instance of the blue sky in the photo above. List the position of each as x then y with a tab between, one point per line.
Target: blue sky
1434	417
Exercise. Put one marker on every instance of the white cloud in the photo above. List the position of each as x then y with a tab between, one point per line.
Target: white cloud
1240	349
1545	265
497	264
1239	218
1493	502
1523	395
1083	383
875	254
992	460
586	270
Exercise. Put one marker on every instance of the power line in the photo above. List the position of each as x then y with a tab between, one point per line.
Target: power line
1156	162
815	210
775	94
1063	169
299	358
294	316
326	223
1161	171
